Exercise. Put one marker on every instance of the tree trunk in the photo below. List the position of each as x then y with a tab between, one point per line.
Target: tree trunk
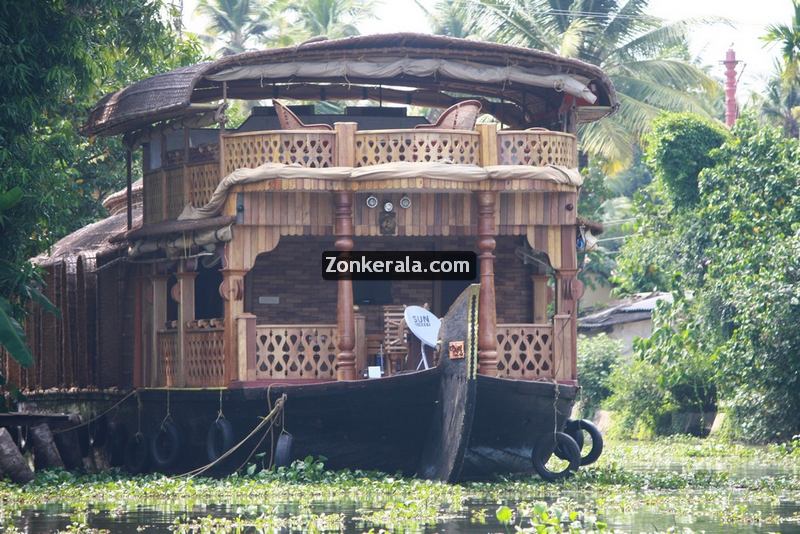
45	453
12	463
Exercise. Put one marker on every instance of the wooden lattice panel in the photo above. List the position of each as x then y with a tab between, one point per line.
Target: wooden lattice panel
153	195
167	357
205	357
175	197
387	146
525	351
537	148
296	352
203	180
307	148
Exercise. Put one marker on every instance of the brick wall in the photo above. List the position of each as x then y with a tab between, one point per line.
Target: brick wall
291	272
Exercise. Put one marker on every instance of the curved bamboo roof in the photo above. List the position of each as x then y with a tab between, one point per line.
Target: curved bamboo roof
516	84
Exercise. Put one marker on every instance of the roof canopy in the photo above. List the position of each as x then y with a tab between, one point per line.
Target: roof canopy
518	85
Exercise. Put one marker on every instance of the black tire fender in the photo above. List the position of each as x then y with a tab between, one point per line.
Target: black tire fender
576	428
544	449
165	445
283	450
219	439
137	454
116	443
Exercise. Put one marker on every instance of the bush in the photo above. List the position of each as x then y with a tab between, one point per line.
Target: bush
598	356
678	147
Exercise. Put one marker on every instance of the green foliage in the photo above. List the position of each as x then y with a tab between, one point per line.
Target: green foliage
598	356
678	147
56	60
646	58
736	252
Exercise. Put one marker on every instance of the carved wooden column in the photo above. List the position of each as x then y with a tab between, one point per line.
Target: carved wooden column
487	313
345	316
158	284
232	292
186	279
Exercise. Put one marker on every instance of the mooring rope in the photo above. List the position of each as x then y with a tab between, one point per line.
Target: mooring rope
269	418
95	418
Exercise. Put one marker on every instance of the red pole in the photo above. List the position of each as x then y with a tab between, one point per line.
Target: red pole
731	109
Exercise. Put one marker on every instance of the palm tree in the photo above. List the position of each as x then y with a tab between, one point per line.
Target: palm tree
330	18
645	57
788	36
451	18
781	103
235	24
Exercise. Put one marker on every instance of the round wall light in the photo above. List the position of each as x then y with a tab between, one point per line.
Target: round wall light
372	201
388	207
405	202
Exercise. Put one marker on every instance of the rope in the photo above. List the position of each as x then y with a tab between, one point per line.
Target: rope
220	415
168	415
270	431
95	418
270	417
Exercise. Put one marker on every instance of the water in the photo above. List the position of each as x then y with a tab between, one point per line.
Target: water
699	509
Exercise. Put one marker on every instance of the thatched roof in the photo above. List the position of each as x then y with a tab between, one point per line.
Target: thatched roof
98	238
177	93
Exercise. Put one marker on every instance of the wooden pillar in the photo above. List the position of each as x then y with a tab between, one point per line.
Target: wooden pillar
138	332
246	336
222	121
568	291
487	313
345	155
539	298
232	292
128	188
345	316
185	315
163	174
158	284
488	136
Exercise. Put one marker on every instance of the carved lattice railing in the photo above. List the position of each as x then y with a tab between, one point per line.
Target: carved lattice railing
295	352
525	351
167	357
205	355
203	180
537	147
309	148
387	146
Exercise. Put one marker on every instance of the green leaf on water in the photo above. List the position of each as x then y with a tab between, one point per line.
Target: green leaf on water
504	515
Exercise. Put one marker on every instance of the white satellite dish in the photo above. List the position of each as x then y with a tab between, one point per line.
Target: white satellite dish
425	326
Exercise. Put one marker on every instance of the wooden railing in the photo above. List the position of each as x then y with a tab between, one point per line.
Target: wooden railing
423	145
305	352
167	359
537	147
525	351
309	148
204	354
203	360
168	190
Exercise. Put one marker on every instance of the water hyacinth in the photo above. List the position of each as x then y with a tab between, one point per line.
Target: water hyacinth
676	484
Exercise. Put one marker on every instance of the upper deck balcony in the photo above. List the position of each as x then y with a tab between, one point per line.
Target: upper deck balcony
185	167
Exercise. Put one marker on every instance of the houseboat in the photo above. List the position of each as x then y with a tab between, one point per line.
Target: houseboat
196	313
